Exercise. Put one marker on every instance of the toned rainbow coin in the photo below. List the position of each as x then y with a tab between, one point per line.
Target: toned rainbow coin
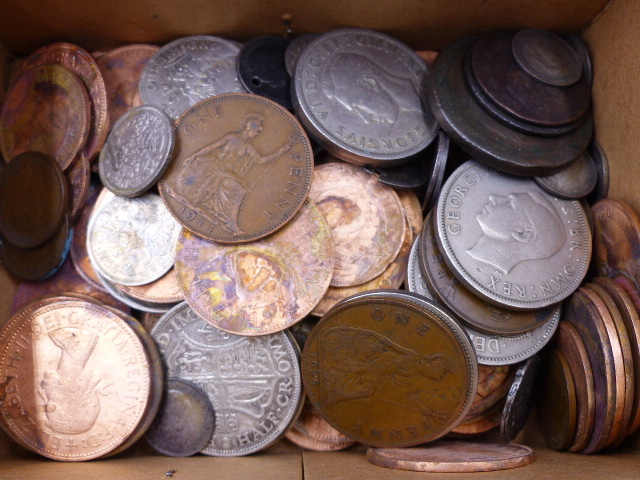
509	241
453	457
517	405
47	111
253	382
80	379
389	371
262	287
366	220
243	170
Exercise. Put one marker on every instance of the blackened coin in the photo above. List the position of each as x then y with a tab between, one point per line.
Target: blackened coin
519	399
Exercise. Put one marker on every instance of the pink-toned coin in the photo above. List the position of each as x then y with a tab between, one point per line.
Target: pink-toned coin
163	291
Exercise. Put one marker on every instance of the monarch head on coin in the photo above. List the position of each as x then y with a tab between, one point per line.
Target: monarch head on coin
517	227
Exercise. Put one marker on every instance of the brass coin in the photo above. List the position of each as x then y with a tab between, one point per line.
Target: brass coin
47	111
366	220
34	199
243	169
447	456
386	370
262	287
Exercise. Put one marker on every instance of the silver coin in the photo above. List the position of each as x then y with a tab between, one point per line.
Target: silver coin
116	292
253	383
132	241
188	70
509	241
295	49
359	93
137	151
415	281
576	180
437	173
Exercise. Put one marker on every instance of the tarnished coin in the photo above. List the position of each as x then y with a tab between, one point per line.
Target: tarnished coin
432	192
415	282
79	180
295	49
386	370
519	401
137	151
582	50
163	291
78	389
262	287
115	290
547	57
366	221
509	241
243	170
359	93
253	382
576	180
494	383
452	456
480	423
121	69
34	200
185	421
412	174
601	189
188	70
80	62
132	240
47	110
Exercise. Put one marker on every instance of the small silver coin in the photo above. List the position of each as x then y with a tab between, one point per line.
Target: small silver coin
574	181
254	383
188	70
137	151
414	282
359	92
509	241
185	421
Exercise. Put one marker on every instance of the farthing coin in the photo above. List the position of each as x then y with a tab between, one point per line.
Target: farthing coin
243	170
188	70
132	240
509	241
137	151
359	92
253	382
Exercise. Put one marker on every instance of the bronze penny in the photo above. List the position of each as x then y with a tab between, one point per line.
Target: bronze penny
165	290
517	405
387	371
47	111
80	62
262	287
121	69
480	423
34	200
243	169
493	385
309	443
453	456
569	342
79	178
366	220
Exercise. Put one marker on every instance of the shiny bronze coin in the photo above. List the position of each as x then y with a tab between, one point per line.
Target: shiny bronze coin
412	210
47	110
453	456
121	69
80	62
569	342
387	371
185	421
79	179
576	180
243	170
165	290
480	423
494	383
34	200
517	405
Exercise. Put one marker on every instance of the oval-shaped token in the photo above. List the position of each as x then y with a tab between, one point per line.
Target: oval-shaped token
243	170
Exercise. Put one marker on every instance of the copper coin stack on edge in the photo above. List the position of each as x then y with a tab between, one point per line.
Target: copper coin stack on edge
222	216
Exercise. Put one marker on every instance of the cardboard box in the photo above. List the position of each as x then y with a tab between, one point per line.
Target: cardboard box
609	27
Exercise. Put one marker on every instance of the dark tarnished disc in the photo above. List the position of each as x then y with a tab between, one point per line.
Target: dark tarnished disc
437	170
261	69
519	399
601	189
185	421
583	53
34	199
485	138
387	371
79	180
413	174
576	180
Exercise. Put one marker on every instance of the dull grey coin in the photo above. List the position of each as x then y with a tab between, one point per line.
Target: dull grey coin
602	166
574	181
438	168
295	49
415	282
185	420
519	399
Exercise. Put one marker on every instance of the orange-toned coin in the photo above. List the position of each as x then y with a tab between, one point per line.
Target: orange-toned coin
164	290
79	178
480	423
493	385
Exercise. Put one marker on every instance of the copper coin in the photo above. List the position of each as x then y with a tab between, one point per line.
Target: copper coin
569	342
79	179
81	380
576	180
243	170
121	69
517	405
447	456
366	220
165	290
494	383
47	110
262	287
34	200
80	62
480	423
115	290
412	210
415	281
309	443
386	371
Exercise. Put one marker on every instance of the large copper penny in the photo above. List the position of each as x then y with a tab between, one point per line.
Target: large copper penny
262	287
47	111
453	457
388	371
34	200
243	170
